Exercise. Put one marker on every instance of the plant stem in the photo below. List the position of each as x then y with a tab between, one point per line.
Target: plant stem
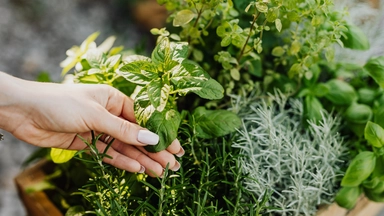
199	12
255	17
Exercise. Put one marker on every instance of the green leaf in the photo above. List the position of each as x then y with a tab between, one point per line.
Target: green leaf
188	76
374	134
278	25
167	53
75	211
347	197
320	90
39	186
278	51
372	195
235	74
355	38
358	113
379	117
158	94
262	7
295	47
340	92
252	63
375	68
224	29
165	124
272	15
183	17
133	71
238	40
312	108
211	90
198	55
226	41
360	168
190	68
62	155
143	107
215	123
112	61
295	70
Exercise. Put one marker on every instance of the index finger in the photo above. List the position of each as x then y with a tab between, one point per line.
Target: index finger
120	104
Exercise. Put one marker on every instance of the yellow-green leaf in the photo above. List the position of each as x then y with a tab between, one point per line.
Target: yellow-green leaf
62	155
278	25
278	51
183	17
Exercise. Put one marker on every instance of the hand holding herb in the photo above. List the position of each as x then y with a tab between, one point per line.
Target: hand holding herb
53	115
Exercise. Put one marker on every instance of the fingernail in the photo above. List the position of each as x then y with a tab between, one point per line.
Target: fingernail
142	169
162	174
147	137
176	167
181	152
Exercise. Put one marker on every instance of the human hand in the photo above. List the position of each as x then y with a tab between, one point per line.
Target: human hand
51	115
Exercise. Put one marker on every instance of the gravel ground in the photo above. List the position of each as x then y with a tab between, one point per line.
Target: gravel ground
34	36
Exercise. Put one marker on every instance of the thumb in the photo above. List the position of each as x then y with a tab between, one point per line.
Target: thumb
124	130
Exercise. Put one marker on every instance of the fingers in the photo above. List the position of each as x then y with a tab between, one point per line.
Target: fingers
119	160
120	105
124	130
134	158
153	162
176	149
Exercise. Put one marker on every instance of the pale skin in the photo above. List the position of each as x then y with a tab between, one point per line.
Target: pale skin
53	115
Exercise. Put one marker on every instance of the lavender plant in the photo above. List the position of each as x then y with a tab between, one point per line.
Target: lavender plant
301	166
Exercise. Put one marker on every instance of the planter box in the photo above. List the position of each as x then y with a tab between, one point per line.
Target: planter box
36	203
39	204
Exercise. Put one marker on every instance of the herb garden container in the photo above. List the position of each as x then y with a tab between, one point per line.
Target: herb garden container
39	203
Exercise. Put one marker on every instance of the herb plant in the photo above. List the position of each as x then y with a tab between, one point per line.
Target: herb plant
302	167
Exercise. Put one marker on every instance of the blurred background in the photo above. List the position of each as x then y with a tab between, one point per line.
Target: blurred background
34	36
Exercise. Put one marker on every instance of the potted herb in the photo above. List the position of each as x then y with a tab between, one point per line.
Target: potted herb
271	123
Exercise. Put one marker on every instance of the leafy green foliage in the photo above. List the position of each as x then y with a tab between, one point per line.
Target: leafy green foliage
375	68
340	92
360	169
237	49
374	134
214	123
347	197
355	38
166	75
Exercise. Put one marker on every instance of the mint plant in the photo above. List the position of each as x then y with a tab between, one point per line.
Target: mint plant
164	77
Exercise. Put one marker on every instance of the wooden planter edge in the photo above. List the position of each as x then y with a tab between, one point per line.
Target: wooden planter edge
36	203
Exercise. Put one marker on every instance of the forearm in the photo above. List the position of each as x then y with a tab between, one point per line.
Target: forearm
11	95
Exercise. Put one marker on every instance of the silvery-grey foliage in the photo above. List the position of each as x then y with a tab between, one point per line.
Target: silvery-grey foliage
301	166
